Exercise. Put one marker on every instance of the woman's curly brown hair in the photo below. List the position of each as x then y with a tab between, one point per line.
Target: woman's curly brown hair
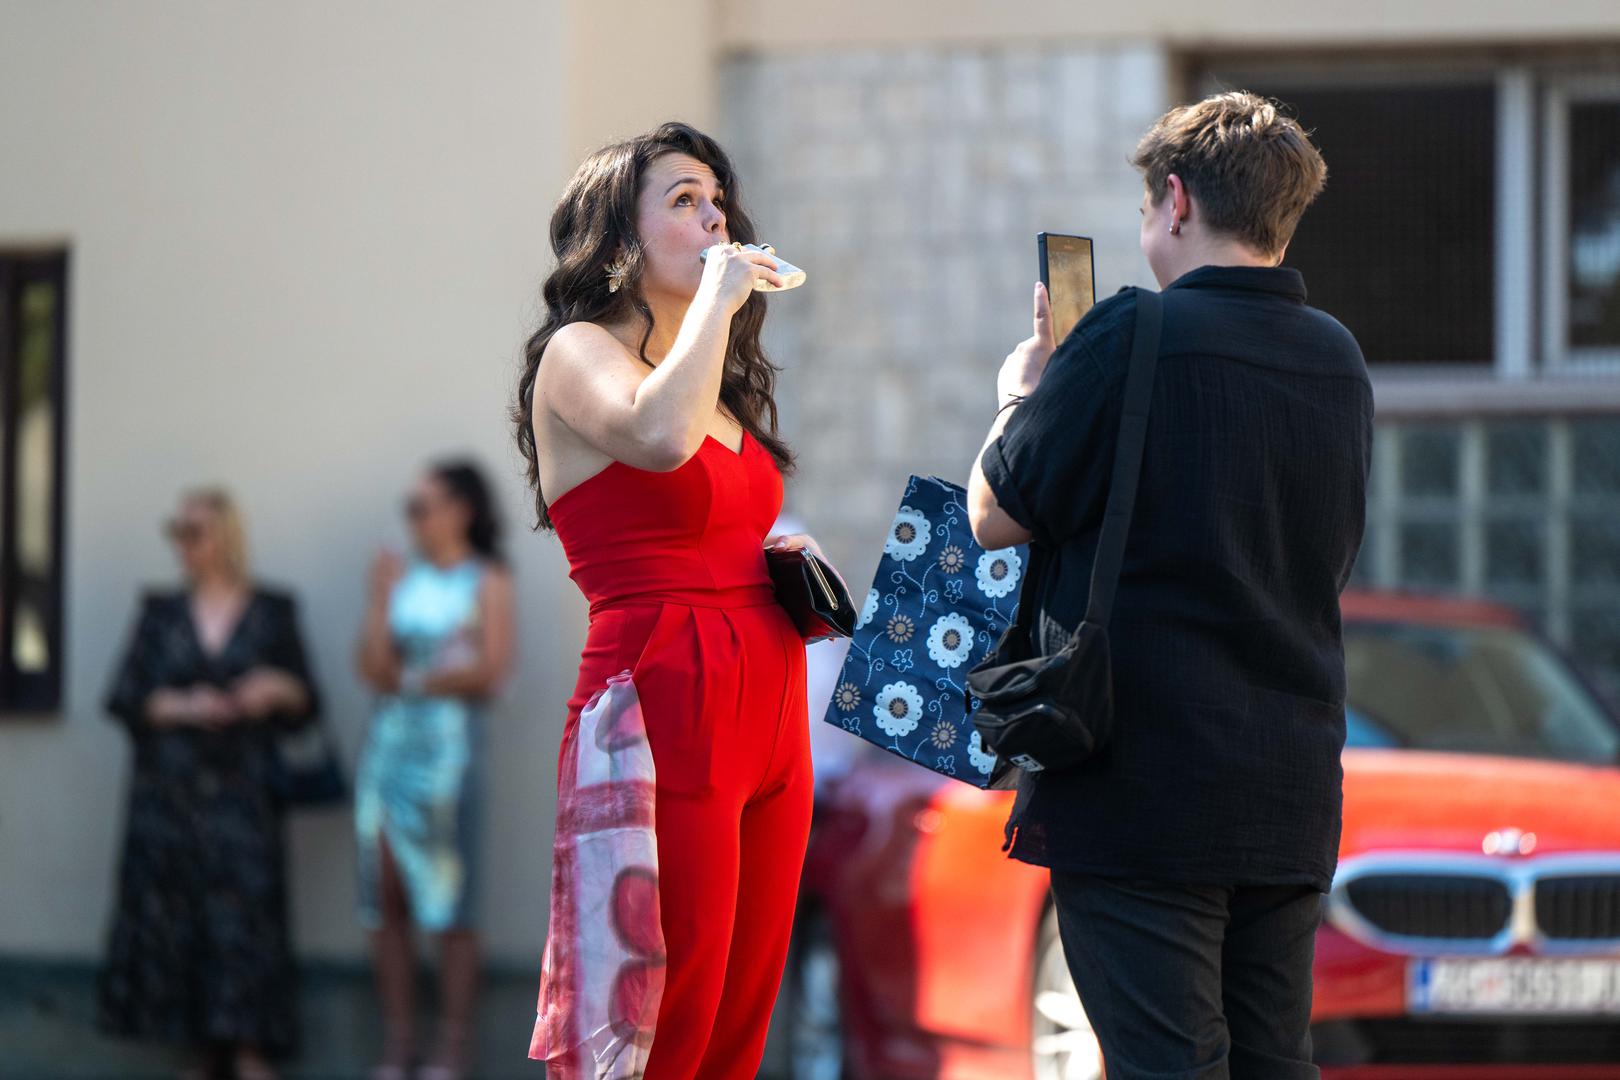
594	223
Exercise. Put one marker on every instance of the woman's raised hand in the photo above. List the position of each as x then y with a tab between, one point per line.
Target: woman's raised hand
1022	370
387	567
730	272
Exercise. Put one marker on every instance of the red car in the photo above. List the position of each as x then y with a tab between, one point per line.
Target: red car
1473	929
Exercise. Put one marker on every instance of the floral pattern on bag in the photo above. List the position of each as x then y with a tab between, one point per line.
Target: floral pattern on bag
938	604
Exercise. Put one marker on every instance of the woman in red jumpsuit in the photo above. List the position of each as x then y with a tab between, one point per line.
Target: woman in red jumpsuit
645	411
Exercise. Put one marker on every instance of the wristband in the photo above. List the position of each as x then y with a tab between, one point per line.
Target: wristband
1016	399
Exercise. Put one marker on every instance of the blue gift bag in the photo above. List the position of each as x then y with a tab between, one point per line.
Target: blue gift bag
938	604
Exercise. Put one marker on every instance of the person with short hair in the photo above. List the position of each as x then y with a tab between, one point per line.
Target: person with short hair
1190	854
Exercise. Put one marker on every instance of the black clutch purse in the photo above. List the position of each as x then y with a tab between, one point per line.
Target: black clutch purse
813	595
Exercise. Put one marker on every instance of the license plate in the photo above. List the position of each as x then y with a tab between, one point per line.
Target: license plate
1515	984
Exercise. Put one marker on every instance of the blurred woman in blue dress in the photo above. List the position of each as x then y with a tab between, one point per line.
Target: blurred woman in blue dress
436	644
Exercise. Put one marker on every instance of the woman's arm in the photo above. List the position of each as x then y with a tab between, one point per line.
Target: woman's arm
138	695
136	682
375	658
281	687
1020	374
992	526
492	646
651	421
201	705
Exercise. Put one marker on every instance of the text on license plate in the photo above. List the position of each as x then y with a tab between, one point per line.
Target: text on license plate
1513	984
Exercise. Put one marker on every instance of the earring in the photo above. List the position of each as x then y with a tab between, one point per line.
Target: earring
1175	226
615	275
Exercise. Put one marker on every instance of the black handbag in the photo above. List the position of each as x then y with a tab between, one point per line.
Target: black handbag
306	770
1053	712
812	593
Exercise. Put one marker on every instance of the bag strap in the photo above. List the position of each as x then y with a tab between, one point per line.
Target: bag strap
1133	422
1122	485
1029	594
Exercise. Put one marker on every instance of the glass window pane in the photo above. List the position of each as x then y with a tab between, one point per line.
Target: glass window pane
36	428
7	331
1513	552
1400	246
1594	224
1429	554
1516	459
1430	457
1597	456
30	649
33	303
1595	549
36	475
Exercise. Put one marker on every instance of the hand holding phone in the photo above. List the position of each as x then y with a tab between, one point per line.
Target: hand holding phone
1021	372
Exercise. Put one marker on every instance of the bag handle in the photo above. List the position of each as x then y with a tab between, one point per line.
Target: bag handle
1133	424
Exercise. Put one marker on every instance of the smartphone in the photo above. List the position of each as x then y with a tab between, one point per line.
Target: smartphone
1066	271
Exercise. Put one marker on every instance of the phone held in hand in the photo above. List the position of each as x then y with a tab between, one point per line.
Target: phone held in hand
1067	272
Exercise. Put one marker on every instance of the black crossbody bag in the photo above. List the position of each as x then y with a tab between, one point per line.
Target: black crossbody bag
1053	712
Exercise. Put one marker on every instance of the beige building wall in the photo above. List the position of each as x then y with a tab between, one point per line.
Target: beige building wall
306	241
632	66
749	25
911	183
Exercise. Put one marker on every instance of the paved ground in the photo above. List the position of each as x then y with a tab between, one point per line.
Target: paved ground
47	1029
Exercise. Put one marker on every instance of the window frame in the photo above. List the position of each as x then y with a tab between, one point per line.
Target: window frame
1557	355
1363	72
1530	372
25	693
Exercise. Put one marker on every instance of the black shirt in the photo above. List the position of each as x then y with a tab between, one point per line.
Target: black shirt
1227	657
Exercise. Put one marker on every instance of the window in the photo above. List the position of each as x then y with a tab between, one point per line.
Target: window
1471	222
1582	211
33	321
1522	509
1400	246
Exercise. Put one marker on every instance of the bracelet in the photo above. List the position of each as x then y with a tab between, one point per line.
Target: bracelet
1016	399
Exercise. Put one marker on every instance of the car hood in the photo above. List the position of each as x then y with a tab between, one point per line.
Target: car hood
1412	800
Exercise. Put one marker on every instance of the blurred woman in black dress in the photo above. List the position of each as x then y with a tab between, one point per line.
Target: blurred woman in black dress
198	952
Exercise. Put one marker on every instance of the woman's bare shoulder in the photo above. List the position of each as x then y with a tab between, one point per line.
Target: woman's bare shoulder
585	358
583	343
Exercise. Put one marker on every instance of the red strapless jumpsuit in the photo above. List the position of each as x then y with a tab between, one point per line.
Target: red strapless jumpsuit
673	565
